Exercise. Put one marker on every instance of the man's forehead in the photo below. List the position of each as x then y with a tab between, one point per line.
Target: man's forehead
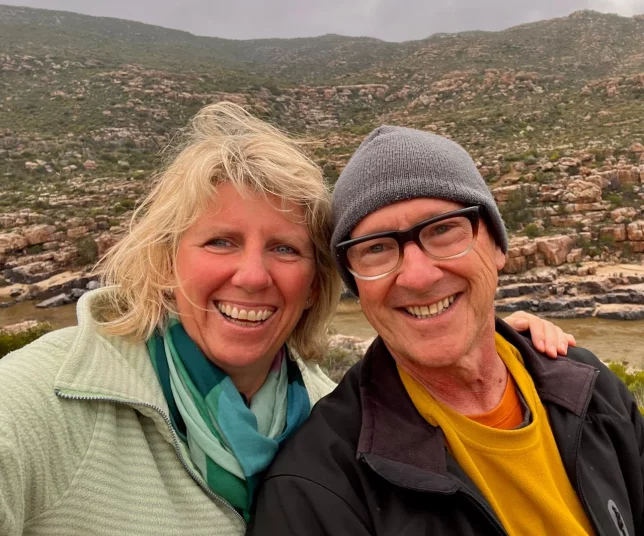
403	214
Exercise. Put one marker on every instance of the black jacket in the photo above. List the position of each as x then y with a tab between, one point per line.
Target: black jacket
366	462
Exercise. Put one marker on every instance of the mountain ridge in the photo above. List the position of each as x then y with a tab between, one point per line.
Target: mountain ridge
550	111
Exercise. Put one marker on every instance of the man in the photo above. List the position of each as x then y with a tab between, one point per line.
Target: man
453	423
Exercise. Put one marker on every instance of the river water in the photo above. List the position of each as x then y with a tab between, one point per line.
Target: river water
609	339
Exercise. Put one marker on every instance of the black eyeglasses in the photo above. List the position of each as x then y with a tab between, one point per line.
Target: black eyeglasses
446	236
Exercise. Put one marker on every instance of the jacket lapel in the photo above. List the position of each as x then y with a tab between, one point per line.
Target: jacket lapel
402	447
108	368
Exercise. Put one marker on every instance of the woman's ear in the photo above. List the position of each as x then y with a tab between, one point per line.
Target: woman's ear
314	293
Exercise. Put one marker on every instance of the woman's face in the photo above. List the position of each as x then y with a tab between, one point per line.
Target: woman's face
246	269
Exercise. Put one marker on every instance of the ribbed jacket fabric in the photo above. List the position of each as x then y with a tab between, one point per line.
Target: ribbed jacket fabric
86	448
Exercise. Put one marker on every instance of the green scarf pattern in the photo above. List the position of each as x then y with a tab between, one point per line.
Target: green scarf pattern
230	443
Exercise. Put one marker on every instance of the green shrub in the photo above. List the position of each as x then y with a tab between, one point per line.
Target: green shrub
532	230
607	241
87	251
634	380
13	341
338	360
515	211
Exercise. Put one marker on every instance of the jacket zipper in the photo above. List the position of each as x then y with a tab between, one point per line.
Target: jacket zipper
175	441
477	502
486	511
580	491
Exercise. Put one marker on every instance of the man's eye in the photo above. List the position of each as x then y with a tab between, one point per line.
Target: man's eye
285	250
377	248
441	229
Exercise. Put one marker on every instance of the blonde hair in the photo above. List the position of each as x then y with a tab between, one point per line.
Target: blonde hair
223	144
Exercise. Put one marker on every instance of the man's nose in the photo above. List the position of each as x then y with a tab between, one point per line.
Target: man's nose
417	271
252	273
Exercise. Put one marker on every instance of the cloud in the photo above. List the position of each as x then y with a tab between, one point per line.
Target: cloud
394	20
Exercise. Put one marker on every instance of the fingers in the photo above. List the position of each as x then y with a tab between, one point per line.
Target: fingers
521	321
553	341
518	320
546	337
540	334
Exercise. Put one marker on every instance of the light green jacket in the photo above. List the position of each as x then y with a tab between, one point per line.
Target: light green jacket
86	446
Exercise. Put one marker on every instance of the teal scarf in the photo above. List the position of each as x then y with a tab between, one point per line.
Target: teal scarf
230	443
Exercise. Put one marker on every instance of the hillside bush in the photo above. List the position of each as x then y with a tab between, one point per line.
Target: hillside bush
87	251
532	230
634	380
13	341
515	211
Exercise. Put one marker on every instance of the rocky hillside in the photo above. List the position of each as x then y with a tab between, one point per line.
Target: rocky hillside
551	111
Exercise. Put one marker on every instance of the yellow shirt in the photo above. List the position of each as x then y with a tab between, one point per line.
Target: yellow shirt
519	472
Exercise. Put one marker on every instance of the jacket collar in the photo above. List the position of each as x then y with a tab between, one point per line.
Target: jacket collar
562	381
115	368
392	430
102	366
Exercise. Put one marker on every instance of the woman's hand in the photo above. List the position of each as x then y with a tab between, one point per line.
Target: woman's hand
546	337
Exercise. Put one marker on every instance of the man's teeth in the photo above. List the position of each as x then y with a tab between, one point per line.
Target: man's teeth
238	313
434	309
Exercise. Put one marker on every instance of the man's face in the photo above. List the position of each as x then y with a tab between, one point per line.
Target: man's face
466	284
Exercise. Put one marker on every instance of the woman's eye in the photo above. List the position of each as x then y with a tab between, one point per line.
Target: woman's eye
220	243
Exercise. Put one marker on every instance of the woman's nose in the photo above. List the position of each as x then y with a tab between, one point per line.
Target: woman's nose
252	273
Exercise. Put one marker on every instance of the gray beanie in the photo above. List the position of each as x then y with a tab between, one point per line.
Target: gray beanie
395	164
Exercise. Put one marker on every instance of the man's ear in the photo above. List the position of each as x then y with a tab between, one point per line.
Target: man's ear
499	258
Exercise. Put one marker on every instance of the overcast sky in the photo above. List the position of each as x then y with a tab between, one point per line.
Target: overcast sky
392	20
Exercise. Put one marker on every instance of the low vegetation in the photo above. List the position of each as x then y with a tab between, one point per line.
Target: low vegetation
634	380
13	341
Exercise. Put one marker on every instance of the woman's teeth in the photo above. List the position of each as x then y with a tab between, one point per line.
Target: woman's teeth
427	311
249	315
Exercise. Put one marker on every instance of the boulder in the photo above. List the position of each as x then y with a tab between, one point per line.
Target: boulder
636	148
77	232
32	272
619	215
581	191
574	256
620	312
76	293
20	326
56	301
104	243
12	242
635	230
628	176
615	233
39	234
515	265
93	285
555	249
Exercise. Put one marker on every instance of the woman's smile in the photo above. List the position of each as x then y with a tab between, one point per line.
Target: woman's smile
246	268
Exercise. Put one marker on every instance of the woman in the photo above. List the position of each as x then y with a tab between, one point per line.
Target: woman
159	411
